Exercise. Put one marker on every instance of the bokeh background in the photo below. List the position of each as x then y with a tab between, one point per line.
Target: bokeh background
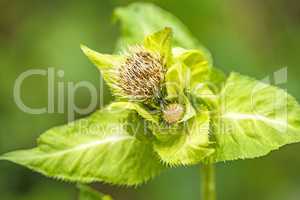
252	37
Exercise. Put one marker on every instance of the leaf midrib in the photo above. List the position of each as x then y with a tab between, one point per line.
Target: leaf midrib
245	116
82	147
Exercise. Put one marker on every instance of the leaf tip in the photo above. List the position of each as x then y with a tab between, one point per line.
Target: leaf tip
85	49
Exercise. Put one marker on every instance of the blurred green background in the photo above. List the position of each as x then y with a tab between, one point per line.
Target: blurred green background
253	37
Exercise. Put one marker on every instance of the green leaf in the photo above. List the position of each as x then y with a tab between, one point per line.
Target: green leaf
197	65
88	193
199	71
254	119
106	63
176	78
160	42
136	107
102	61
101	147
135	25
186	143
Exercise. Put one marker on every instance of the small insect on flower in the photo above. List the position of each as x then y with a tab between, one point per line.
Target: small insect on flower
141	75
173	113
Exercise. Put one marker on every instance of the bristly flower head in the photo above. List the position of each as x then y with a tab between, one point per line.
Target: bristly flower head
141	75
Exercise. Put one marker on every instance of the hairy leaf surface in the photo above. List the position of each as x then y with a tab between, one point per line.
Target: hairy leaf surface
186	143
254	119
101	147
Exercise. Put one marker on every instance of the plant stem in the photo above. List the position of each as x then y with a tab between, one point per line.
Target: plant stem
208	183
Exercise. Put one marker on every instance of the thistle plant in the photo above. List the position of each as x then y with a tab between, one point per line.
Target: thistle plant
172	108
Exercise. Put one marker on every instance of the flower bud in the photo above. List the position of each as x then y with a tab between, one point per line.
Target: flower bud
173	113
